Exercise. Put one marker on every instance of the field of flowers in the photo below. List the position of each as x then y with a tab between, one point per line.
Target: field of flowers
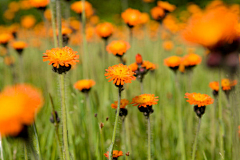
158	85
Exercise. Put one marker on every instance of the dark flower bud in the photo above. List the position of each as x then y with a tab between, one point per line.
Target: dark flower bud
199	110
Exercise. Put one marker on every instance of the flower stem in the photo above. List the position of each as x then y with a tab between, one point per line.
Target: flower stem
141	86
220	118
195	140
59	22
37	140
21	69
115	124
149	138
64	116
53	23
1	148
25	152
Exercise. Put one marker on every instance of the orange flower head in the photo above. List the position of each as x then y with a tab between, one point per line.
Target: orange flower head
157	13
148	65
133	67
47	14
9	60
214	85
39	3
65	31
199	99
75	24
61	56
84	85
78	8
168	45
192	59
25	4
28	21
19	45
139	59
13	6
173	61
144	18
131	17
208	30
144	100
115	154
123	104
227	84
148	1
104	30
118	48
119	74
5	38
18	106
166	6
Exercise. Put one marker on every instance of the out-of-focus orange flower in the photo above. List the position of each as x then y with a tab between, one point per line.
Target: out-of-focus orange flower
3	51
78	8
144	18
192	59
208	30
9	15
47	14
61	56
193	9
157	13
25	4
18	106
28	21
118	48
214	4
148	65
5	38
227	84
173	61
75	24
148	1
131	17
65	31
94	19
19	45
84	85
214	85
235	8
9	60
144	100
168	45
115	154
104	30
123	103
13	6
39	3
198	99
133	67
171	23
119	74
166	6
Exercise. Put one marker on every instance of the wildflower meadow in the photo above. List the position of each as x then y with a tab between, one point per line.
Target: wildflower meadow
119	80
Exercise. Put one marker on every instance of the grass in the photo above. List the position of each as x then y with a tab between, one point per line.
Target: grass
164	121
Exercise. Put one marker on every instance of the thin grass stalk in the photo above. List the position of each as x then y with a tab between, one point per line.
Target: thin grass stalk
37	141
21	67
149	137
221	137
59	22
25	152
102	143
53	23
128	141
56	130
1	148
64	116
115	124
179	114
195	140
213	130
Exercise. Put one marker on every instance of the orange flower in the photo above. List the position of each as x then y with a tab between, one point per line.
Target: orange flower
144	18
133	67
47	14
157	13
199	99
65	31
208	30
118	48
9	60
192	59
214	85
61	56
131	17
148	65
25	4
28	21
5	38
144	100
75	24
173	61
227	84
119	74
104	30
84	85
9	15
148	1
168	45
115	154
39	3
139	59
78	8
166	6
19	45
18	106
13	6
123	104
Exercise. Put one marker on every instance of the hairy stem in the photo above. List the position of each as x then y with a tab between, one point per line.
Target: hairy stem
149	138
195	140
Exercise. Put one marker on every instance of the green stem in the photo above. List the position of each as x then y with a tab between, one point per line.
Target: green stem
53	23
21	69
37	140
1	148
59	22
195	140
115	124
220	118
149	138
64	117
141	86
25	152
